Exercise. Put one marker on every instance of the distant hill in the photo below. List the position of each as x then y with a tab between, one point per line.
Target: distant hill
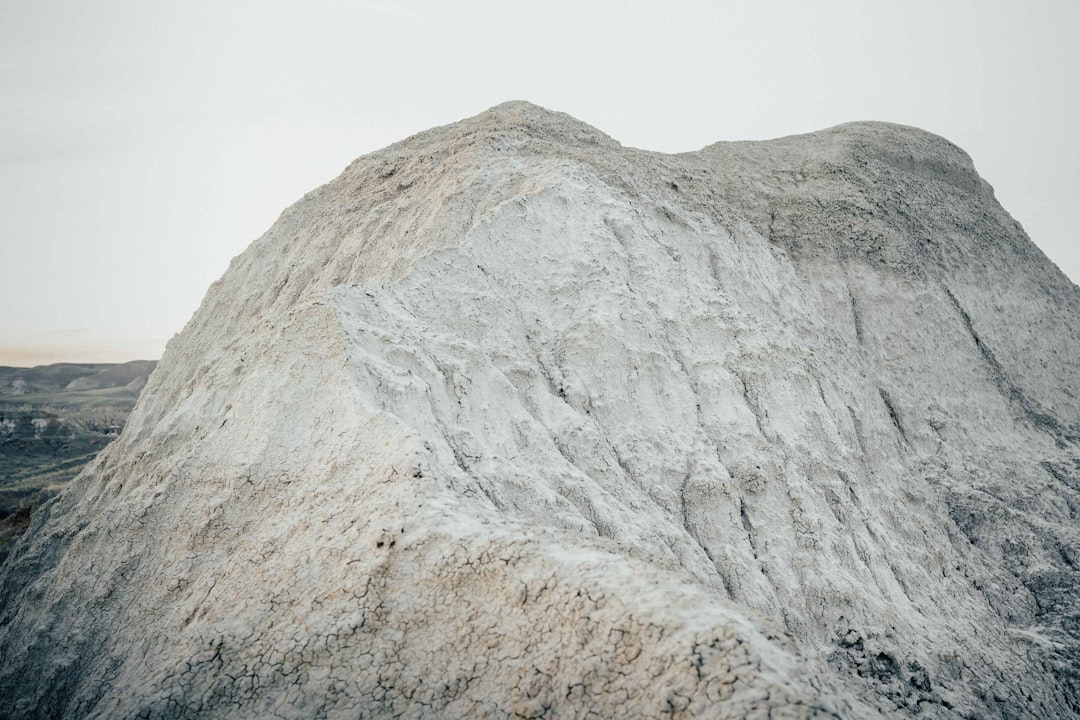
53	420
71	376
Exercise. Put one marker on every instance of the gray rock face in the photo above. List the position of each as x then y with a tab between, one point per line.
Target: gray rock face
510	420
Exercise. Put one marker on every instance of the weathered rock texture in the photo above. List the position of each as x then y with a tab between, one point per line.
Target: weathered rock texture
509	419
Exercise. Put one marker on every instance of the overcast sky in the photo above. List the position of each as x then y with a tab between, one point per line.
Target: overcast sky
143	144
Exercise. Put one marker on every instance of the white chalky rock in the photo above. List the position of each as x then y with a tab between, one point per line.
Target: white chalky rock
510	420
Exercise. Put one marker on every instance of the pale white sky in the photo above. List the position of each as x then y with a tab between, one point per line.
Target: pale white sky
143	144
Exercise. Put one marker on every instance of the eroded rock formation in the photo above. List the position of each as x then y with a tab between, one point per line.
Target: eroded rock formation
509	419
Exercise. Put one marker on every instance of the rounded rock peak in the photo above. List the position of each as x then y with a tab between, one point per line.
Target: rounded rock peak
519	122
895	136
519	107
514	112
862	144
536	122
909	150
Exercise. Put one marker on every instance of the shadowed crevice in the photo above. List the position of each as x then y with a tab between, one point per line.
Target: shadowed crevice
1005	386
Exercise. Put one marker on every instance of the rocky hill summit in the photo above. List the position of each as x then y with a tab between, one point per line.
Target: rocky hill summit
509	420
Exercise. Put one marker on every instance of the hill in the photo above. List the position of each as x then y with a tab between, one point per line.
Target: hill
511	420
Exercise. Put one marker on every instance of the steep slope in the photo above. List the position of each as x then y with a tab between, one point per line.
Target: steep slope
509	419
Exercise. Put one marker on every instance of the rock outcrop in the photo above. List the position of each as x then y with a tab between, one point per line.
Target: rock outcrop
511	420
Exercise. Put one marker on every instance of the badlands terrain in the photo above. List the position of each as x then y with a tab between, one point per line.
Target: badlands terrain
509	420
53	420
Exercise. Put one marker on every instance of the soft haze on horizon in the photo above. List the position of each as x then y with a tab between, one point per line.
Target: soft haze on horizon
143	145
